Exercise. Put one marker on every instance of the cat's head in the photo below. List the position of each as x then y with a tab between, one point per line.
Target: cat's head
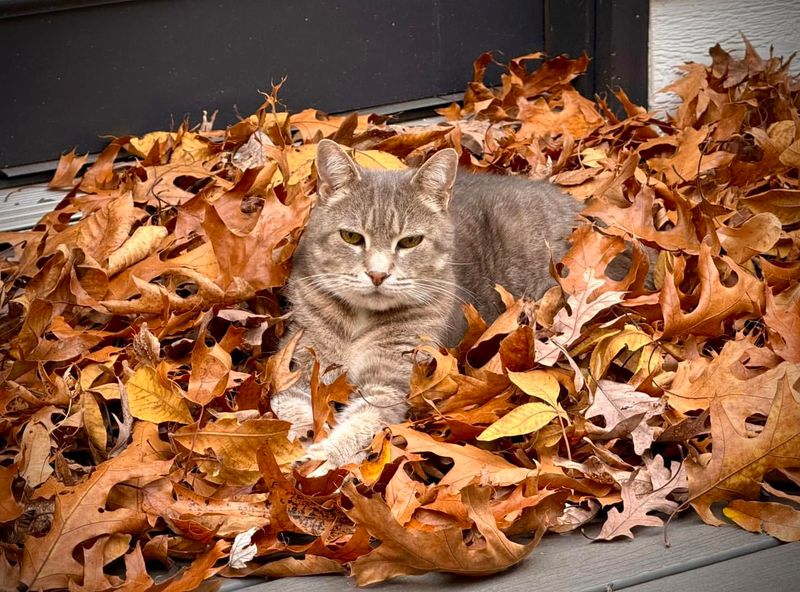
378	239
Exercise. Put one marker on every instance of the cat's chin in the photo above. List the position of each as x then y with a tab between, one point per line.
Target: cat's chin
377	301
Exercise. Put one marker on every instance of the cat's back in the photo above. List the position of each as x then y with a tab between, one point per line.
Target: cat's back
523	205
503	226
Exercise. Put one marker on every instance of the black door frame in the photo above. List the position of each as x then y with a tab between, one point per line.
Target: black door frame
78	70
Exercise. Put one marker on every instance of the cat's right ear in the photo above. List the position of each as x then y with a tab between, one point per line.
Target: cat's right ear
335	169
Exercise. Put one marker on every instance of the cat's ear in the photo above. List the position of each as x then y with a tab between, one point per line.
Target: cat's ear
334	168
435	178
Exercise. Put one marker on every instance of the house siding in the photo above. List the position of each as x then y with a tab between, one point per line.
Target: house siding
684	30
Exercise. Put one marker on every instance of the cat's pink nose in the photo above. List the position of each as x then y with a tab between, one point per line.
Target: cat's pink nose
377	277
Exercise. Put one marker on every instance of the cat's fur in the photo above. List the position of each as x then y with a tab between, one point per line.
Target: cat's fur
479	230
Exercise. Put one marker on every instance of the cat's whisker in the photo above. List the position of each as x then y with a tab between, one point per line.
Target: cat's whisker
443	289
447	283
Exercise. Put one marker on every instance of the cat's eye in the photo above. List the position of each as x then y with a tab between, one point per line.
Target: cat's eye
352	238
409	242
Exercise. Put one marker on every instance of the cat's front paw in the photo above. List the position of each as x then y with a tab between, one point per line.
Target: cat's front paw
332	455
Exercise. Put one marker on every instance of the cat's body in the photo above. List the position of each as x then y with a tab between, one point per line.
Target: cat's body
388	257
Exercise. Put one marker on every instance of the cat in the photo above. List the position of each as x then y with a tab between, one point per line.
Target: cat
390	256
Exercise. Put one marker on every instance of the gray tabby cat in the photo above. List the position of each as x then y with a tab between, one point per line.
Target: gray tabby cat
388	257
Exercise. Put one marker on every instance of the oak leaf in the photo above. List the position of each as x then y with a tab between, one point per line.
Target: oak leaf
637	220
470	464
10	508
636	509
783	323
753	237
68	166
407	552
211	367
233	445
617	402
716	302
778	520
144	241
81	514
569	321
699	381
783	203
738	463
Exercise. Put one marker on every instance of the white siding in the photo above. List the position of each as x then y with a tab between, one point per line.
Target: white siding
684	30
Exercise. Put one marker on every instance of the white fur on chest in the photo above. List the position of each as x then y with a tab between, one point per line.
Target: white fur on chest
360	323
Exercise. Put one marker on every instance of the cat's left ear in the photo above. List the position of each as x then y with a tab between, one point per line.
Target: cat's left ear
435	178
334	168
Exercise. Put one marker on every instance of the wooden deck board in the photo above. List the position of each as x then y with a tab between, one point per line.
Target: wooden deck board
573	563
776	570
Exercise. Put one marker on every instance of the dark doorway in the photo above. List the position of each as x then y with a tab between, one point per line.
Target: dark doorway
78	71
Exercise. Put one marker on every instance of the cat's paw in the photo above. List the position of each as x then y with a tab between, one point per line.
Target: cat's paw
331	455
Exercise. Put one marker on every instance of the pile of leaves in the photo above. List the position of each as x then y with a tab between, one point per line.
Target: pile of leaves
140	320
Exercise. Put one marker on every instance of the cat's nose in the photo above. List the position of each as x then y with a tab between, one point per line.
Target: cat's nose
377	277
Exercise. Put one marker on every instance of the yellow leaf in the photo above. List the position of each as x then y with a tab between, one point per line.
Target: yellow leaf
141	146
371	469
608	348
779	520
278	118
593	157
93	421
154	399
539	384
300	159
524	419
376	159
192	148
109	391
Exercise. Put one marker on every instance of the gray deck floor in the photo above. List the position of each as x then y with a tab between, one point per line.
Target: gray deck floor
702	558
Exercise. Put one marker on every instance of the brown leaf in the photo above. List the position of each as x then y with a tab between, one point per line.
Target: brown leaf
783	323
200	570
107	229
226	517
637	220
406	552
277	371
233	445
777	520
81	514
68	166
594	254
260	256
616	401
10	508
143	243
470	464
783	203
698	382
689	161
755	236
716	303
738	463
290	567
211	367
576	116
636	508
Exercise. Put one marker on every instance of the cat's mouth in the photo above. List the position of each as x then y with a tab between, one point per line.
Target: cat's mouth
378	297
